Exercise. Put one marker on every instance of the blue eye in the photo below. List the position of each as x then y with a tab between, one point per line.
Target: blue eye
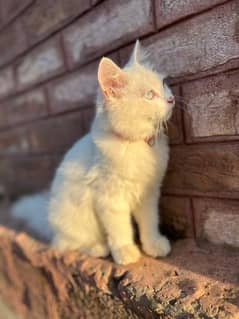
149	95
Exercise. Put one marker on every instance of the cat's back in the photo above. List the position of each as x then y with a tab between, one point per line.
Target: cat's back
81	150
76	161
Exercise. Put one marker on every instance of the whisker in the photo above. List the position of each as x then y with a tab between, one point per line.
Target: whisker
158	131
183	109
160	127
182	102
169	122
165	126
178	97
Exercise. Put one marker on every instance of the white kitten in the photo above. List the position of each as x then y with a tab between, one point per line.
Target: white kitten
113	172
117	169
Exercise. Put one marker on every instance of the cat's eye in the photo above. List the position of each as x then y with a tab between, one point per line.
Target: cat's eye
149	95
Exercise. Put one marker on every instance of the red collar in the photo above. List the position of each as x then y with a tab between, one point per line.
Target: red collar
150	140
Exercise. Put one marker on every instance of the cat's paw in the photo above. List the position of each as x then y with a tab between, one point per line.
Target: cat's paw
158	248
98	250
126	254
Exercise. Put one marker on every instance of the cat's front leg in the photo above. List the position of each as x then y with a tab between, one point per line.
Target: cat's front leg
116	219
147	218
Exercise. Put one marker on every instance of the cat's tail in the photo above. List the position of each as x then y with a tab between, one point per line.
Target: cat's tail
33	210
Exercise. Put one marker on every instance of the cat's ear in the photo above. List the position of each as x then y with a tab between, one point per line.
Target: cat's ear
111	78
136	52
139	54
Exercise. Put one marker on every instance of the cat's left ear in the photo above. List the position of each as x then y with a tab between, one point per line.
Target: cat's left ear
111	78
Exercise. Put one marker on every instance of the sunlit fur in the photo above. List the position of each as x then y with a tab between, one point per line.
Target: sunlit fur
113	173
132	114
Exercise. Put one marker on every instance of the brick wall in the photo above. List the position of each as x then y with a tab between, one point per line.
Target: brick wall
48	62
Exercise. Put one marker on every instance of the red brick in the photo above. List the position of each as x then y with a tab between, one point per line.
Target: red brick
52	135
175	128
88	117
12	8
187	48
125	54
217	221
168	11
14	141
24	174
24	108
12	42
7	82
76	90
1	15
108	26
213	108
55	134
43	63
205	170
94	2
45	17
176	216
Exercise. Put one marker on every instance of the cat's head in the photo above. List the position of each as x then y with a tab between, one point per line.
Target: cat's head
135	99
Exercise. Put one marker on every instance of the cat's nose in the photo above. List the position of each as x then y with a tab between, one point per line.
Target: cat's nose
171	100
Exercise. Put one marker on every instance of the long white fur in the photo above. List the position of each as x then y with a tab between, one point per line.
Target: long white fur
33	209
112	173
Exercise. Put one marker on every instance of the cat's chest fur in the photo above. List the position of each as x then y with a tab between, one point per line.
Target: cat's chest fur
135	162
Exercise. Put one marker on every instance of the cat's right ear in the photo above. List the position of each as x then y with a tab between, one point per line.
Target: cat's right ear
111	78
138	56
136	52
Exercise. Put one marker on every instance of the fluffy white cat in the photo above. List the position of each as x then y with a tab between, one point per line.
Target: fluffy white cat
116	171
